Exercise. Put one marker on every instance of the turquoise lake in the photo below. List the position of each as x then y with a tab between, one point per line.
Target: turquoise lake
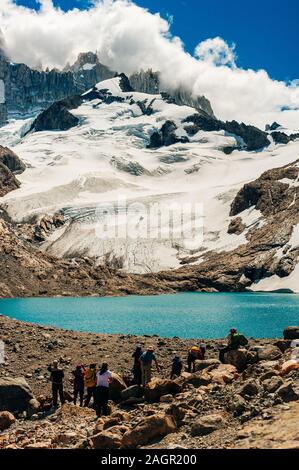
188	315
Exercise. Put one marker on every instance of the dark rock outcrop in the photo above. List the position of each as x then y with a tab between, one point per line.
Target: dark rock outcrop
254	138
236	226
166	136
8	181
292	332
11	160
56	117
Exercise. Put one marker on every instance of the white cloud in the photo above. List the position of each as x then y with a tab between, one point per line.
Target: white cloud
128	38
216	51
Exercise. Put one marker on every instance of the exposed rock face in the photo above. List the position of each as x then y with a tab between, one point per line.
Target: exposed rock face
11	160
28	90
149	82
8	181
236	226
253	138
56	117
88	70
15	394
166	136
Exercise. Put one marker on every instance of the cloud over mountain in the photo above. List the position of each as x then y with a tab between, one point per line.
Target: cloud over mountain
128	38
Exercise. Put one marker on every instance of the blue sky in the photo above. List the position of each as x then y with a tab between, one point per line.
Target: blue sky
266	32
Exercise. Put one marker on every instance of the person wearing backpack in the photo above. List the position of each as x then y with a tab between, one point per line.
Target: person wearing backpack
90	382
79	374
193	354
177	366
104	377
234	341
146	360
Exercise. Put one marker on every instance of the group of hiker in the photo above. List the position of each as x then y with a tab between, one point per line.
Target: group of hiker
97	380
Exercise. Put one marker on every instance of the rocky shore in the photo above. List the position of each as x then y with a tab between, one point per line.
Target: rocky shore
251	402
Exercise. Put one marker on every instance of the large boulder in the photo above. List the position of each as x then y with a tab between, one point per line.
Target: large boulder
286	392
289	366
249	388
268	353
106	440
224	374
15	394
237	358
151	428
291	332
156	388
133	391
117	385
207	424
6	420
203	364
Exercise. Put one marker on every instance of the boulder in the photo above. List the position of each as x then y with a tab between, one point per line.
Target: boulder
268	353
115	419
250	388
237	358
117	385
272	384
291	332
207	424
200	365
151	428
238	405
286	392
236	226
106	440
288	366
156	388
133	391
224	374
15	394
6	420
283	344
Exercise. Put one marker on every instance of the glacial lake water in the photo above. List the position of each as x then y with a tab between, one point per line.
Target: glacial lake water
187	315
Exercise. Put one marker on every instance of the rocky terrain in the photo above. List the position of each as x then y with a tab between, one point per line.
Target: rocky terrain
250	402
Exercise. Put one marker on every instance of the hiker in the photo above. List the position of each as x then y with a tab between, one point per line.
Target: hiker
79	374
177	366
146	360
90	382
137	366
104	377
56	378
234	341
203	349
193	354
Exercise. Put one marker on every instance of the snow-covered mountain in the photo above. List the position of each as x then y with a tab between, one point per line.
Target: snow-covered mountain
124	152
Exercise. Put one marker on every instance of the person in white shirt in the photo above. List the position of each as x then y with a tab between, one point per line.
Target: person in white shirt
104	377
